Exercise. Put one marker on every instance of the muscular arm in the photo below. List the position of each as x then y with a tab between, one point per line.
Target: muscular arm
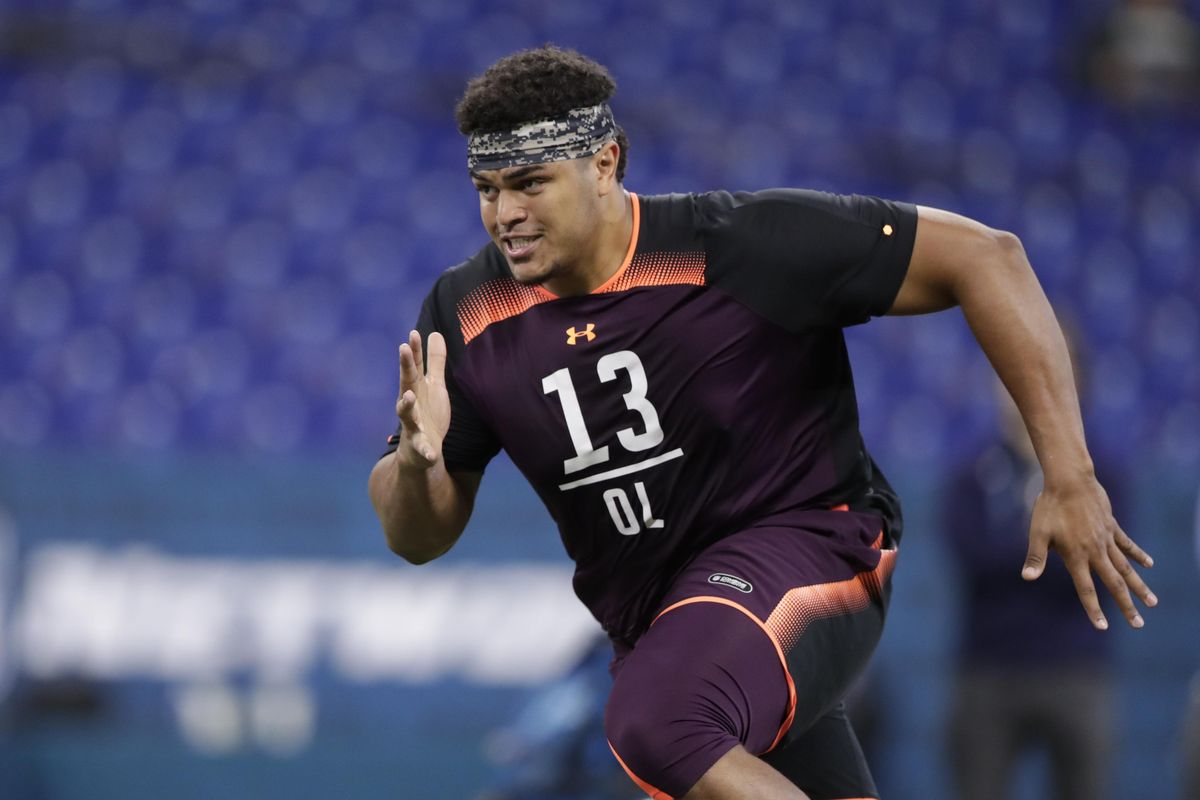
957	261
423	508
423	511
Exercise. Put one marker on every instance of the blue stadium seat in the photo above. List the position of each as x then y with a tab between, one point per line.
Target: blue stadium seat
1050	222
257	253
148	417
93	88
58	193
1166	233
328	95
26	414
112	250
1109	293
164	309
92	361
16	134
274	417
40	305
369	257
201	199
10	249
925	113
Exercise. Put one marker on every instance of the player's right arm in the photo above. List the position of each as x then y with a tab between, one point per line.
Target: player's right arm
423	507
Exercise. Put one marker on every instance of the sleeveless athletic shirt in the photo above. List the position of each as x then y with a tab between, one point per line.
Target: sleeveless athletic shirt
703	390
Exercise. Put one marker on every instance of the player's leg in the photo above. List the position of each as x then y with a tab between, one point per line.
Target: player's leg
709	684
826	759
711	681
740	775
703	682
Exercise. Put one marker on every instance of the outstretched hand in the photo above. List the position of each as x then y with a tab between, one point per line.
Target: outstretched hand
423	405
1077	521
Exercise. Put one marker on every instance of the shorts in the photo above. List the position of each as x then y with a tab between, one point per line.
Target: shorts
756	643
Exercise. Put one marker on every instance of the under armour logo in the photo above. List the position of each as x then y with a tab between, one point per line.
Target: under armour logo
573	334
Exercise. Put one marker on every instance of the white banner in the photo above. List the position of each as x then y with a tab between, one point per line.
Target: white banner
137	613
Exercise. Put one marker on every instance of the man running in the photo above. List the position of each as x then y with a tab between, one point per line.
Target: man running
670	375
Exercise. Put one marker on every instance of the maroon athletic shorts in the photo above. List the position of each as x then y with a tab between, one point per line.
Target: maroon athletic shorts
756	643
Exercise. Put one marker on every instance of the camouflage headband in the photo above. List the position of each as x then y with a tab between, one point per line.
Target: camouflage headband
578	133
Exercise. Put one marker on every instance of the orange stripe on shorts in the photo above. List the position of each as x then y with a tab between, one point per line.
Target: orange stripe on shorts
656	794
802	606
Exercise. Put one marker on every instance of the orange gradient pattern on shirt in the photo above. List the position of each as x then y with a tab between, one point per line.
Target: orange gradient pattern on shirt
495	301
504	298
659	269
801	606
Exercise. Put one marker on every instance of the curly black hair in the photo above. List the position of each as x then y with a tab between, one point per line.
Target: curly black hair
536	84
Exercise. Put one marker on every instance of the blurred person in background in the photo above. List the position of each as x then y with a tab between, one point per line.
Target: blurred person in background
1032	674
1146	54
670	373
1190	745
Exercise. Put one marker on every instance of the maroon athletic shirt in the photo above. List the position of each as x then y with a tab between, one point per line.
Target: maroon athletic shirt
704	389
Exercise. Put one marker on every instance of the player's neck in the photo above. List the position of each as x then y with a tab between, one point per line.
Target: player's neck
614	235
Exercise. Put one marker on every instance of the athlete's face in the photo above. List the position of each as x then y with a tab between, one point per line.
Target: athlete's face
541	216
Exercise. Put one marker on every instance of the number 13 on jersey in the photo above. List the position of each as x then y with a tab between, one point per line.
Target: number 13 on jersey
620	508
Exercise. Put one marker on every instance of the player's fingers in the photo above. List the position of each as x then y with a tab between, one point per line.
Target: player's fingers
414	341
436	366
1082	577
1035	557
409	376
1130	548
422	450
1119	589
1130	575
406	410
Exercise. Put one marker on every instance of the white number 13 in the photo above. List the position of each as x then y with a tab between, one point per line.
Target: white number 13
586	455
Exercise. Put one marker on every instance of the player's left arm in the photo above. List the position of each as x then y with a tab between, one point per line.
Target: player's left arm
958	261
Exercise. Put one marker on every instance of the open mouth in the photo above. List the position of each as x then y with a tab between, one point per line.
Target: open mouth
520	246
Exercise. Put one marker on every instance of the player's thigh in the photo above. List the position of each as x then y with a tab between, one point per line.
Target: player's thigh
702	680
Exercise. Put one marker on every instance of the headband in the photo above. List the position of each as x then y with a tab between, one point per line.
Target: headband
578	133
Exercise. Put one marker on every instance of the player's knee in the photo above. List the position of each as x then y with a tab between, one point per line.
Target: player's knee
633	733
638	722
665	731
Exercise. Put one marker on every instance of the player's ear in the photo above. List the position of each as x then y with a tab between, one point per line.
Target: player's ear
605	165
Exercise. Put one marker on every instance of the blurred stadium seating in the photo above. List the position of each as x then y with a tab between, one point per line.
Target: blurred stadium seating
218	217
